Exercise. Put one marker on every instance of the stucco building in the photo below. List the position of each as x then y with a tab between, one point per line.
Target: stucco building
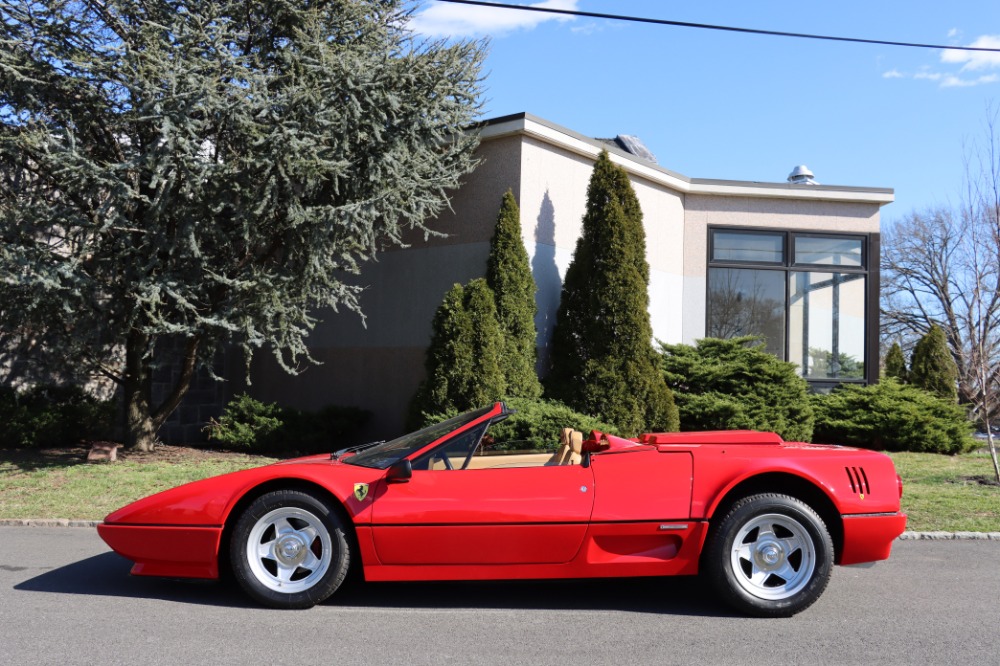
794	262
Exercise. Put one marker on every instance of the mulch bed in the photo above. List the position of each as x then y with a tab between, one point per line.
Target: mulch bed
78	454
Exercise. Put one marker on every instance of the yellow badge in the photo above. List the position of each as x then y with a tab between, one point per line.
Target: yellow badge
361	491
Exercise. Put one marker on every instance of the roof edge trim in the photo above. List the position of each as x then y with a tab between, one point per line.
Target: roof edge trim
539	128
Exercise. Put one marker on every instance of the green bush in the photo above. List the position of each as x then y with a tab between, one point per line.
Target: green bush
893	417
736	384
53	416
535	425
251	425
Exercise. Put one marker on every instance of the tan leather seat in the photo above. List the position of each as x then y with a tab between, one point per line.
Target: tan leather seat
576	448
570	448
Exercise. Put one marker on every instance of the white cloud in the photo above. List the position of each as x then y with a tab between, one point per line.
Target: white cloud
954	32
443	19
970	61
955	82
975	60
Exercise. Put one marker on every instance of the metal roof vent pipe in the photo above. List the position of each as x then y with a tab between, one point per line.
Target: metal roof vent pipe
801	175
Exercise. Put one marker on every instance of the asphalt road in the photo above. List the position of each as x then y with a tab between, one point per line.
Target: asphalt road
66	599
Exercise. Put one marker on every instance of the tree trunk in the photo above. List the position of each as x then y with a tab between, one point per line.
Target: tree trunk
142	419
993	452
140	429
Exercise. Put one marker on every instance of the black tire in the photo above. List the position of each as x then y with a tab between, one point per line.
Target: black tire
289	550
769	556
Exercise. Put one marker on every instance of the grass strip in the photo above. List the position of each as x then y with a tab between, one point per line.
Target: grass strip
940	493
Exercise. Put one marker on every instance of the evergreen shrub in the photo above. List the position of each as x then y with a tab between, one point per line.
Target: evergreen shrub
895	364
251	425
933	367
53	416
603	361
508	274
893	417
463	360
535	425
735	384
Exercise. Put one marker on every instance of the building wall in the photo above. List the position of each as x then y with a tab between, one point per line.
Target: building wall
378	363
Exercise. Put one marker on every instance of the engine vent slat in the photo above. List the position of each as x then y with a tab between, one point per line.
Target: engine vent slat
858	479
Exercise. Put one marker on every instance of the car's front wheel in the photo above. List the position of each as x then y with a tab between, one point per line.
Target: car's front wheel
770	556
289	550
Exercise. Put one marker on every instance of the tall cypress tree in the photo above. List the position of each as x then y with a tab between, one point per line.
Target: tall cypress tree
462	362
895	364
932	366
603	361
508	273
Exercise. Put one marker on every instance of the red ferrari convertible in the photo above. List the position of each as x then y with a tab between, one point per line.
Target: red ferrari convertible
764	520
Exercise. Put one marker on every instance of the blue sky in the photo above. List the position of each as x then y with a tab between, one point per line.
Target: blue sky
714	104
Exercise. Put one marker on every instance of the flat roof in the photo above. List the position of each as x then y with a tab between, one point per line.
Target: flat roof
549	132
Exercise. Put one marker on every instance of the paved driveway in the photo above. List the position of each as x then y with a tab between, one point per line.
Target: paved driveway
65	599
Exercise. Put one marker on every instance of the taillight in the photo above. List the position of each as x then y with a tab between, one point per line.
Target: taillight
899	484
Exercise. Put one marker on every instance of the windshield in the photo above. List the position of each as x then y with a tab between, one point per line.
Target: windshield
383	455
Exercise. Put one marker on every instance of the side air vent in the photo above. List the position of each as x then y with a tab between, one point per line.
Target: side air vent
858	479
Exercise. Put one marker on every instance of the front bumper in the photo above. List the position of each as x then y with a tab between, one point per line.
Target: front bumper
166	550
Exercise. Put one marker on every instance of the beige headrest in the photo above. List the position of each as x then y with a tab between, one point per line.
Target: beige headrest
564	436
576	441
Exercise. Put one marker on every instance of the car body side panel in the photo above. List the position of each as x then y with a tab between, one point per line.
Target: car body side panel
207	503
642	485
717	470
177	533
609	550
525	514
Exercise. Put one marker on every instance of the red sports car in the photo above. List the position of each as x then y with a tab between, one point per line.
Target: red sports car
764	520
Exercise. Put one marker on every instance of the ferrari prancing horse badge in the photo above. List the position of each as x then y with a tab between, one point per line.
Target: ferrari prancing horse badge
361	491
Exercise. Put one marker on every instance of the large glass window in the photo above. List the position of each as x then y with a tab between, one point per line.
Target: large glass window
756	247
827	251
827	325
805	294
744	301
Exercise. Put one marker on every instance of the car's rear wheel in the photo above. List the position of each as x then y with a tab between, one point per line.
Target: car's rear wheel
289	550
769	556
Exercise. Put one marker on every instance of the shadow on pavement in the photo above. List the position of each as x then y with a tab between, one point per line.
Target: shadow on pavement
685	595
108	575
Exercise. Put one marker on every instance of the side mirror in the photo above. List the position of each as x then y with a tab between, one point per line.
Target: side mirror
399	472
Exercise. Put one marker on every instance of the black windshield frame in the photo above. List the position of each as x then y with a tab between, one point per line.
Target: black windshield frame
387	453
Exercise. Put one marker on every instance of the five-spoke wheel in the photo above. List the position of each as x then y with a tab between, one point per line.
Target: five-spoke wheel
770	555
289	550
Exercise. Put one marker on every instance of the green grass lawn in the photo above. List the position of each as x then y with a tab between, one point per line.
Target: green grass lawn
63	485
940	493
946	492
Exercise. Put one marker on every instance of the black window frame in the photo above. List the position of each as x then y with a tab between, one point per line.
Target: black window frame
870	249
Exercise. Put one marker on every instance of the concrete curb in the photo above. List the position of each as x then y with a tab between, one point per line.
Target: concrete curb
48	522
950	536
905	536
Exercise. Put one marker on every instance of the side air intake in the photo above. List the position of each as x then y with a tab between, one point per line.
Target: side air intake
858	479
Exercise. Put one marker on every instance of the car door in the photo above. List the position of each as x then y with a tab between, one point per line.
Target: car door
511	515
